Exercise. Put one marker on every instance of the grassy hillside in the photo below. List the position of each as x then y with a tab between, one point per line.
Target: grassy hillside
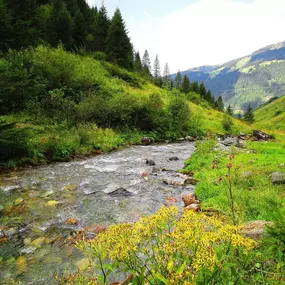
252	79
56	105
271	116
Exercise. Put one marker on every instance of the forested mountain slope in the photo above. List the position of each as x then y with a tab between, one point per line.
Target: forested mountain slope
253	79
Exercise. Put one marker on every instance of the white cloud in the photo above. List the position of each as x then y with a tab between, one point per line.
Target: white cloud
209	32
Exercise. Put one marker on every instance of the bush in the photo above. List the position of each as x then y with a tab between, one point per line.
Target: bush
227	123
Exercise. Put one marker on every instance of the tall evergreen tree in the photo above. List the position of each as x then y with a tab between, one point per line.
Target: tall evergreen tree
23	20
248	115
178	80
203	91
60	25
166	76
220	104
230	110
99	30
118	44
195	87
185	84
156	69
6	39
146	63
137	63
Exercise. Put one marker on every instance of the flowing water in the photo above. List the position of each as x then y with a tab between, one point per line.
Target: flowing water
36	203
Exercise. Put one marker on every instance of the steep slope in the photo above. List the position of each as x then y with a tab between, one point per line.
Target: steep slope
252	79
56	105
271	116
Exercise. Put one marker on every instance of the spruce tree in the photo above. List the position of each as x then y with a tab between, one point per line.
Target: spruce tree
99	30
195	87
230	110
185	84
239	116
6	39
203	91
146	64
248	115
60	25
137	63
118	45
220	104
156	69
166	77
178	80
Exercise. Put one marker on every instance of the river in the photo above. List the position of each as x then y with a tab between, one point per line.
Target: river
36	203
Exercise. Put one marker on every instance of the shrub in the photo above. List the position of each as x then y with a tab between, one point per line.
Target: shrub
227	123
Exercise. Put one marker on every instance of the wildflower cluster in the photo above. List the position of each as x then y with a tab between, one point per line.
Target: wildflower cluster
166	248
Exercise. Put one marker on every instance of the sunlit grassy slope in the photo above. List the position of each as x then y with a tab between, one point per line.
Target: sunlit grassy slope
271	116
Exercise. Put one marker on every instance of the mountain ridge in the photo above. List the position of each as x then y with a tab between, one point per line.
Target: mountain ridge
252	79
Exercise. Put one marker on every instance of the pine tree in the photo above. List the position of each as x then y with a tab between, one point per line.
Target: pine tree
195	87
178	80
137	63
230	110
186	84
23	19
203	91
239	116
6	39
210	98
248	115
118	45
156	68
99	30
220	104
146	64
60	25
166	77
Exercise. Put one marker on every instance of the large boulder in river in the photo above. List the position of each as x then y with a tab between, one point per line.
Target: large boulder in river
278	178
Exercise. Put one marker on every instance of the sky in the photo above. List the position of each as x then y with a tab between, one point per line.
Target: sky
192	33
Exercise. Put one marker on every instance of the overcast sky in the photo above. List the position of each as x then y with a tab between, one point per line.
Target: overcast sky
191	33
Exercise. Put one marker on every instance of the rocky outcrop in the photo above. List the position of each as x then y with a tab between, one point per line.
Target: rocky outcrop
261	136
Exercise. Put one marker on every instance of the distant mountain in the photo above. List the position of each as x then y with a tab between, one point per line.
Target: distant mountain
251	79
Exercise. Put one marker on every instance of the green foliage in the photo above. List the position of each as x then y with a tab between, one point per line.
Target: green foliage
185	84
118	44
227	123
248	115
220	104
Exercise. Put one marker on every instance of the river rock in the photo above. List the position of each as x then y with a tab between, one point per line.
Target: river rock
230	141
261	136
120	192
174	181
156	170
192	207
189	199
149	162
278	178
190	181
255	229
146	141
174	158
72	221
